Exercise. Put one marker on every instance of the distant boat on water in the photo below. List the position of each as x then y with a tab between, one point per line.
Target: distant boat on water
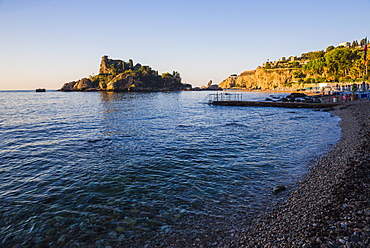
40	90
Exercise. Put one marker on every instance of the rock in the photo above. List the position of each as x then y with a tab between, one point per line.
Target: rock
327	109
137	67
68	86
110	66
214	87
260	79
129	221
165	229
120	83
279	188
50	232
84	84
62	238
120	229
211	87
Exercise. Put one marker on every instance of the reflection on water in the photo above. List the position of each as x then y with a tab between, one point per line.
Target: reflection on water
129	169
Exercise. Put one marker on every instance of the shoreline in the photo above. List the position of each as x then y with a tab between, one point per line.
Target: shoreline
331	205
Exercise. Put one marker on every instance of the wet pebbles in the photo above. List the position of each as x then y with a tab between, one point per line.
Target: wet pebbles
331	206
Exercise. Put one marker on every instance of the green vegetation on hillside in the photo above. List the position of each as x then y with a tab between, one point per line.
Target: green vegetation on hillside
335	64
341	64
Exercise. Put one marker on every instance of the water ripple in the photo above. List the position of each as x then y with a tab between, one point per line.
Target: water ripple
143	162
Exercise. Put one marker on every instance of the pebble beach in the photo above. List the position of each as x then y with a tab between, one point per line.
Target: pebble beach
331	206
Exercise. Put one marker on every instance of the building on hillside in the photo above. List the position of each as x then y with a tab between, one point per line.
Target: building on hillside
345	44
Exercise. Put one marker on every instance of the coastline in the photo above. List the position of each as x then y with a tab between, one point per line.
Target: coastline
331	206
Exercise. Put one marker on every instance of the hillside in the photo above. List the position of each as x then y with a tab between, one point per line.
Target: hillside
342	64
118	75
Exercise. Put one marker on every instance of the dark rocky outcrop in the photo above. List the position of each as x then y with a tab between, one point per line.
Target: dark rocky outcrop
209	86
120	82
118	75
84	84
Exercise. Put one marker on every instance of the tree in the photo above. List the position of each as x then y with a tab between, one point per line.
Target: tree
354	89
316	66
131	63
339	61
313	55
268	65
354	44
363	42
298	74
295	63
167	75
310	81
329	48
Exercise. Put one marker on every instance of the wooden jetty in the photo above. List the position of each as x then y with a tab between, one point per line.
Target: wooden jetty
274	104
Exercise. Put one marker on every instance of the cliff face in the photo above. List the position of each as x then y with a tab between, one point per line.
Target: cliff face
263	79
118	75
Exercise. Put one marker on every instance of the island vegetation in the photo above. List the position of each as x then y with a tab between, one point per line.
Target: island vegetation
341	64
118	75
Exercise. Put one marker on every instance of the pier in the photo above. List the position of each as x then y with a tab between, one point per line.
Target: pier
235	99
274	104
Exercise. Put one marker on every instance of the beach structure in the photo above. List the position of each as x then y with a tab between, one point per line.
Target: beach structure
295	101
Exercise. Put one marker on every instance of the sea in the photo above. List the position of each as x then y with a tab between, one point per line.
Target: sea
104	169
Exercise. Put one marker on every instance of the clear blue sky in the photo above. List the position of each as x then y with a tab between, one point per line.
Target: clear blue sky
45	43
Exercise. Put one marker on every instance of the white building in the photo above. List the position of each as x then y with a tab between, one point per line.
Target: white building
345	44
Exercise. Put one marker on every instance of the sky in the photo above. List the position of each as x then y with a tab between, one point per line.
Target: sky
46	43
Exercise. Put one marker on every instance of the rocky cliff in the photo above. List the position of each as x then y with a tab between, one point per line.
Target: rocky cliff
341	64
261	79
118	75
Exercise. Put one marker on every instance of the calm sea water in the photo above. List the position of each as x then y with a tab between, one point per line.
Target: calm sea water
142	168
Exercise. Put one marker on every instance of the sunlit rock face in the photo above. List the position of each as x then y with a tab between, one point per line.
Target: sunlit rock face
263	79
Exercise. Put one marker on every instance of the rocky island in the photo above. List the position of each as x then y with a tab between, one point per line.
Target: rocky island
118	75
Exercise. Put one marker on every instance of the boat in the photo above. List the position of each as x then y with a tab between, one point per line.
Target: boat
40	90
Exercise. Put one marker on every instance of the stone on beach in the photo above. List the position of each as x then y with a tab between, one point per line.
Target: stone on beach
331	206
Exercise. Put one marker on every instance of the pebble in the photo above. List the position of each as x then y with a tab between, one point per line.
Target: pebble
120	229
333	194
62	238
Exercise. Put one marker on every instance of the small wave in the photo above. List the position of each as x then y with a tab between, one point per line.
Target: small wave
235	124
183	126
98	140
298	117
